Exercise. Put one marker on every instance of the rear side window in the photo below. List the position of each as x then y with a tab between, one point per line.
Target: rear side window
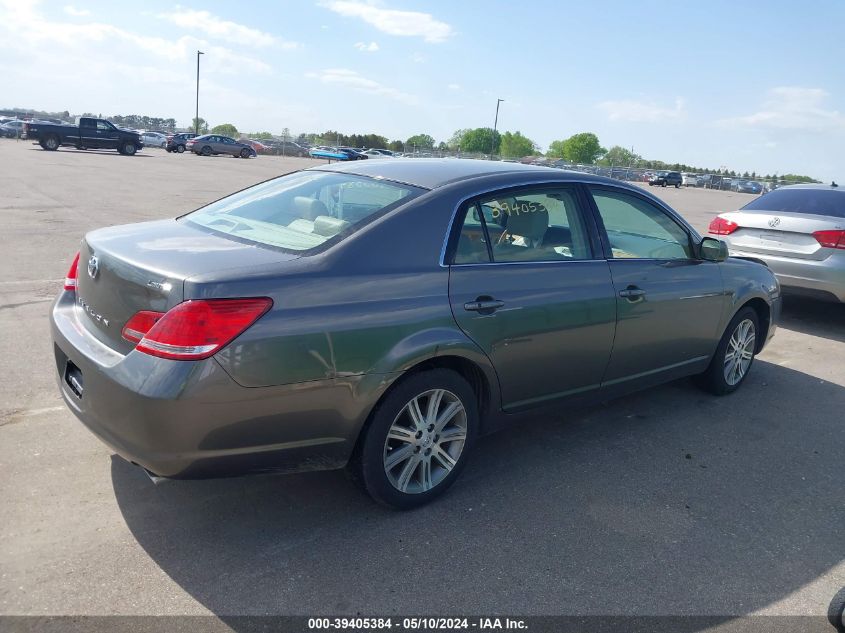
302	211
527	226
809	201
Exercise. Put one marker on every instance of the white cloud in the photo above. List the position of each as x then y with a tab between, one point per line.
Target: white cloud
372	47
218	28
352	79
393	21
634	111
792	108
72	10
418	58
454	86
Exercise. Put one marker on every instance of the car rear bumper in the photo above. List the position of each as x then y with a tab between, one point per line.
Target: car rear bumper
825	277
189	420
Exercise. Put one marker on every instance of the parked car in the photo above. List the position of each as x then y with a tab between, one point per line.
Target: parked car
377	153
88	133
178	142
384	314
12	129
352	153
799	231
154	139
748	186
213	144
664	178
288	148
257	145
689	180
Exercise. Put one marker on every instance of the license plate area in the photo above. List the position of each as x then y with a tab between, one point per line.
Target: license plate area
73	379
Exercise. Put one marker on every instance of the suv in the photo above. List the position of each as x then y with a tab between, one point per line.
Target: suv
664	178
176	142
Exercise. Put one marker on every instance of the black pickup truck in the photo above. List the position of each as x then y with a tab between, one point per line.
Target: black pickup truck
87	134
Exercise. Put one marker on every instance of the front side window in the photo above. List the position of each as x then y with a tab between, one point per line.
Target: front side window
302	211
638	229
528	226
102	126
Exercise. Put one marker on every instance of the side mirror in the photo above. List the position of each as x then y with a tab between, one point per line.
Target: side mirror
713	250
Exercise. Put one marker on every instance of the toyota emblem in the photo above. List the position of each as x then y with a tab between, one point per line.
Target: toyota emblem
774	222
93	266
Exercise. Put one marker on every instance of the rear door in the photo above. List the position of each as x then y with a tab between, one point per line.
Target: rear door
88	133
526	284
669	302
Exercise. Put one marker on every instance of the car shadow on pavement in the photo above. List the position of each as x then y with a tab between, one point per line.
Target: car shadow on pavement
668	502
95	152
814	317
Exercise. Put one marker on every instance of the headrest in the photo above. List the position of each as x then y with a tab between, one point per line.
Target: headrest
309	208
529	224
328	226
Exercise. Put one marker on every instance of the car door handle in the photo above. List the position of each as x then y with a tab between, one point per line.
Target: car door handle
632	293
483	305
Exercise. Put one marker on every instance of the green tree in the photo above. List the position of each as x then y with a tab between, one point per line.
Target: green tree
261	135
199	125
515	145
421	141
395	146
618	155
226	129
454	141
583	148
480	141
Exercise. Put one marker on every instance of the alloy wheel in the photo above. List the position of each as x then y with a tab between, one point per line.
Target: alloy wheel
739	352
425	441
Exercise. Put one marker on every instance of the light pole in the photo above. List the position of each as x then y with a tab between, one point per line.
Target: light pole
197	117
495	125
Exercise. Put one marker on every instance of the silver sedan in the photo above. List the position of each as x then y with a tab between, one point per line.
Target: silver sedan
799	232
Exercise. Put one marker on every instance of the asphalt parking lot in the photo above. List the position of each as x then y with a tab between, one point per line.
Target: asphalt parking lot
667	502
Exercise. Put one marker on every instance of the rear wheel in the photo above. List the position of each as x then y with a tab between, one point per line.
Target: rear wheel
734	355
418	439
180	148
51	143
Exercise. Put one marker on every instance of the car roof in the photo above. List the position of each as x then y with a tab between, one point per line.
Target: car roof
816	186
430	173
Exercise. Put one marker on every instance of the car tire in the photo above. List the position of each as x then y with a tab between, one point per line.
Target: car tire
128	149
206	151
403	461
836	611
180	149
725	373
245	153
51	143
677	186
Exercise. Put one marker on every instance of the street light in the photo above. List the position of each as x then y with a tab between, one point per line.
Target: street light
495	125
197	117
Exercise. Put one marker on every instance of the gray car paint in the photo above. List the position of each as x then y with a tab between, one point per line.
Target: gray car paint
294	391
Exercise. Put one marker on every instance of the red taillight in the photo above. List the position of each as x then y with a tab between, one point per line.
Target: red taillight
138	326
72	274
830	239
722	226
196	329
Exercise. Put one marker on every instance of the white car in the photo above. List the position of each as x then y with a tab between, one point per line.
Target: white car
689	180
154	139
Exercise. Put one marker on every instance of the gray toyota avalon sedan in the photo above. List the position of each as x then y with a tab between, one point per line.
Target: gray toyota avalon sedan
381	315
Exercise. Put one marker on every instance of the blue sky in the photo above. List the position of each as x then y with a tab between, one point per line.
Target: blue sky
750	86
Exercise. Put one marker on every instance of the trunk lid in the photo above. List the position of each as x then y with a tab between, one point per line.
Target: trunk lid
781	234
126	269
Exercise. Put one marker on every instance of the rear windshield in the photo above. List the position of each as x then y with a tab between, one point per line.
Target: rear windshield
302	211
810	201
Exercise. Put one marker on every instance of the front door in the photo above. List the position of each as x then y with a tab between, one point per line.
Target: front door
526	286
669	302
107	135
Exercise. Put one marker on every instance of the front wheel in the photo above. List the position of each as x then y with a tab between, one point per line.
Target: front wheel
734	355
245	153
418	439
128	149
180	148
206	151
677	186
